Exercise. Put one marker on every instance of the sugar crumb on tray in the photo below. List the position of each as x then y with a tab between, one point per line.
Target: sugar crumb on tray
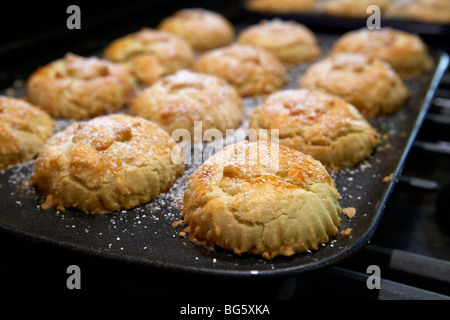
182	234
177	223
346	233
349	212
388	178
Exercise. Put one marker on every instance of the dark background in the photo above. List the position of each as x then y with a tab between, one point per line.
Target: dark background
34	33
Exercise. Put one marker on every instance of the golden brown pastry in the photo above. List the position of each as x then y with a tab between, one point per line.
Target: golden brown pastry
428	11
80	88
281	6
151	53
107	164
405	52
290	41
24	128
323	126
203	29
353	8
178	100
250	70
261	199
370	84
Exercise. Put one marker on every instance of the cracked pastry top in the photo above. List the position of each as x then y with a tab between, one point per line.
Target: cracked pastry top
79	87
321	125
107	164
262	199
368	83
405	52
249	69
178	100
203	29
289	41
24	128
151	53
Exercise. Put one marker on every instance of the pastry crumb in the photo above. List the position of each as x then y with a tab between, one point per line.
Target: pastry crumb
346	232
349	212
179	205
177	223
182	234
388	178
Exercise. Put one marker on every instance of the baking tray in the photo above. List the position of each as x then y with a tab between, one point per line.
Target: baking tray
317	19
145	235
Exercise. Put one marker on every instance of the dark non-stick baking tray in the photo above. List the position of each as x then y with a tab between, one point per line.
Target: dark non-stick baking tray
145	235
